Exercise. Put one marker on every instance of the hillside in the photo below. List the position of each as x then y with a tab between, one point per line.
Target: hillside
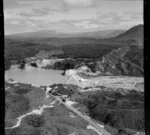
134	33
123	61
39	114
20	48
16	49
31	110
120	61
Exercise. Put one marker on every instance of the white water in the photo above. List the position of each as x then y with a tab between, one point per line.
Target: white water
35	76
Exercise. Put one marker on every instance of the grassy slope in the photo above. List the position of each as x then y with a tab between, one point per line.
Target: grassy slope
117	110
53	121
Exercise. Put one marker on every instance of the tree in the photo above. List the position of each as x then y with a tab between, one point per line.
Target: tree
22	64
34	65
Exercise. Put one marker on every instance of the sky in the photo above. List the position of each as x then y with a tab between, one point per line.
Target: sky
71	16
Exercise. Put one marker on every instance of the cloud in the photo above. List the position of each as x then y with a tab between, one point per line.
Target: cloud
51	5
86	24
123	20
78	3
119	17
69	15
35	12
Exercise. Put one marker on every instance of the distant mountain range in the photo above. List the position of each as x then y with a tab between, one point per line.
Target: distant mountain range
55	34
133	34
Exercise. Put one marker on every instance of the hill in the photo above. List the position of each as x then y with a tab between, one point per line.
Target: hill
123	61
135	33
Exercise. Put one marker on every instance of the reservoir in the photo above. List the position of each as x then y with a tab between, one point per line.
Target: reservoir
35	76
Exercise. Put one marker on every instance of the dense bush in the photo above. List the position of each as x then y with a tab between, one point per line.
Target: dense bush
18	104
35	120
33	65
117	110
19	49
88	50
23	131
22	91
64	65
22	64
69	90
7	63
92	66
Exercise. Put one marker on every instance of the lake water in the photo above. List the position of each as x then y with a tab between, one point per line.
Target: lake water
35	76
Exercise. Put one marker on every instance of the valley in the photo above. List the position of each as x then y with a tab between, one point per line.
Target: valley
74	86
